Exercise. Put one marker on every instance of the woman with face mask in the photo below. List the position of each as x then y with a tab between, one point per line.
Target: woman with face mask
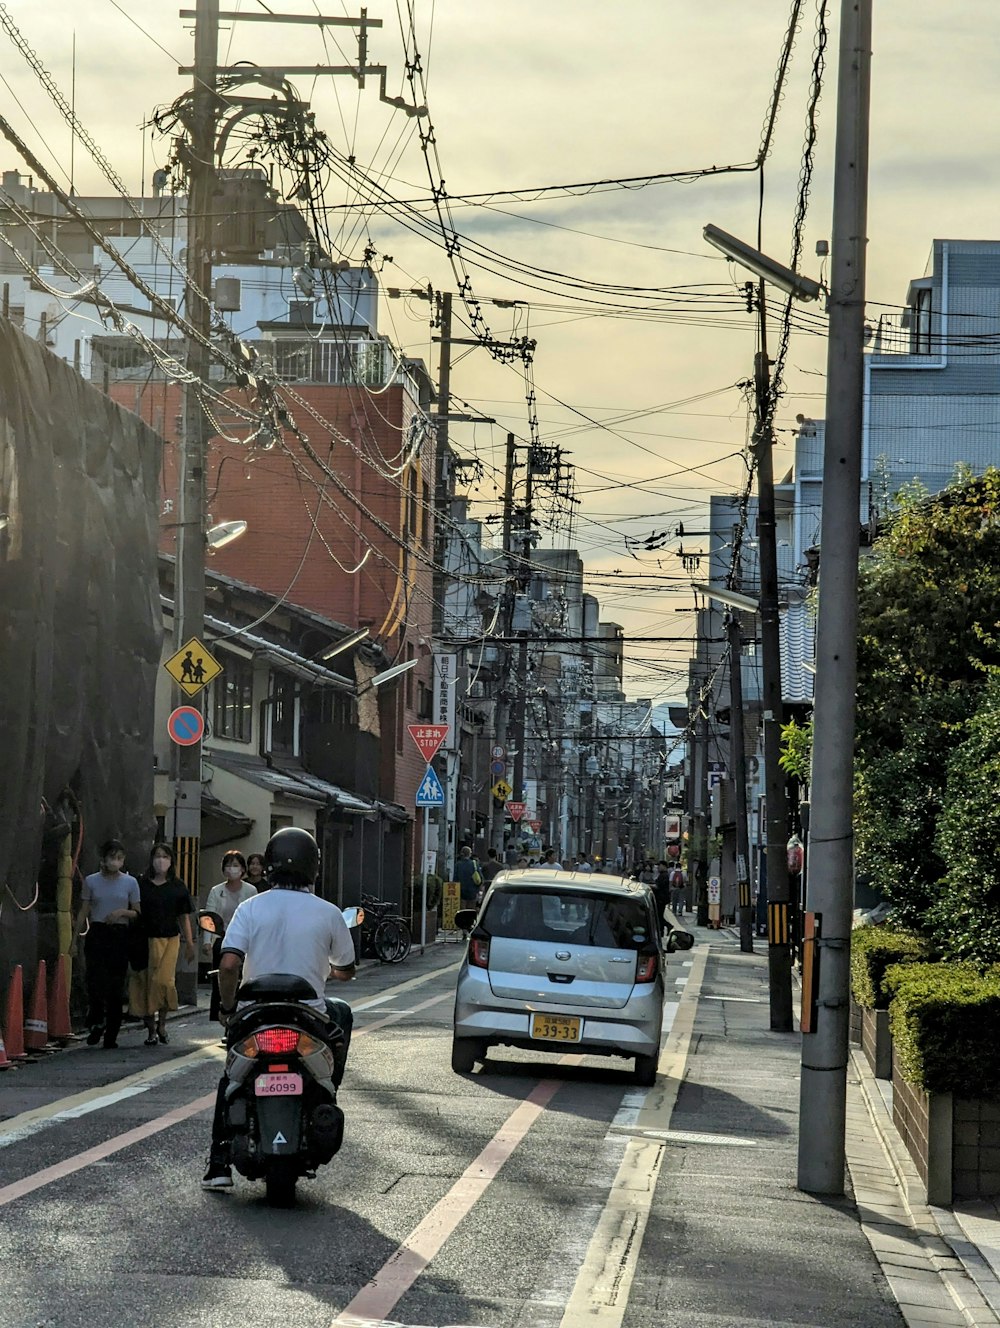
166	912
224	899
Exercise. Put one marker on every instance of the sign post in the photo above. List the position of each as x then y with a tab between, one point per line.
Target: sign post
429	794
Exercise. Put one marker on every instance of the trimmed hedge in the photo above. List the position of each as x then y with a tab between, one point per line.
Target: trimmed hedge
873	949
944	1020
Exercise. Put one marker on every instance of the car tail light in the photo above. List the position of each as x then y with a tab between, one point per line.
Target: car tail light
645	968
277	1041
479	953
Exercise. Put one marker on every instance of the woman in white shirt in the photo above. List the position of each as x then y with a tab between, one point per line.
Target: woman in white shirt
224	899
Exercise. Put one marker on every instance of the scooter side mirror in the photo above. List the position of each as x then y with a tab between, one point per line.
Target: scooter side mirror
465	919
210	922
354	917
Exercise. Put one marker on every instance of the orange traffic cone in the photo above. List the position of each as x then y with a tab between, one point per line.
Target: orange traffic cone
14	1025
60	1028
36	1029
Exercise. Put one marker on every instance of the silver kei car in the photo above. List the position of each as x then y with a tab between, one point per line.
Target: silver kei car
563	961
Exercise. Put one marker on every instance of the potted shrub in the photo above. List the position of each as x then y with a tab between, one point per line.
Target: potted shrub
946	1076
873	951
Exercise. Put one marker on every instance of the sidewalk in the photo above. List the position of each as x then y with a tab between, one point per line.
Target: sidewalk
775	1255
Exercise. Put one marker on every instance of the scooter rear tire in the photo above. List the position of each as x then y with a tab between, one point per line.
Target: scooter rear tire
280	1183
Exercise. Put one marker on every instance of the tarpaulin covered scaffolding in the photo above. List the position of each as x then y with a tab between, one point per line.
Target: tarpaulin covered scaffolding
80	630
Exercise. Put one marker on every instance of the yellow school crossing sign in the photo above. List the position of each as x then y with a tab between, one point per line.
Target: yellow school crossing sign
501	790
193	667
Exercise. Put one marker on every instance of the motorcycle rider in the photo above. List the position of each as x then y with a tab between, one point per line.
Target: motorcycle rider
286	929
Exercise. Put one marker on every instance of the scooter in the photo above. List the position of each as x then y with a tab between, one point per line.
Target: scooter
281	1103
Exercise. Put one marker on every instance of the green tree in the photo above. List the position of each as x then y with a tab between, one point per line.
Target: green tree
965	916
929	618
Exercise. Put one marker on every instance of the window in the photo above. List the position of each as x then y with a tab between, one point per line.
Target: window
425	702
412	526
409	680
920	334
425	529
333	707
609	923
283	701
232	699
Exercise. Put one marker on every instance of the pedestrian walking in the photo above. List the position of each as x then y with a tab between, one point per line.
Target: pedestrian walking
468	876
109	901
166	913
224	899
661	891
677	891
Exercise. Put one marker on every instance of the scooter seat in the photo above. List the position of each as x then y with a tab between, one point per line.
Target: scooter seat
276	987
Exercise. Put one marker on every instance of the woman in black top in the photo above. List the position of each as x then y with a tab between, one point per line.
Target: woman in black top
166	911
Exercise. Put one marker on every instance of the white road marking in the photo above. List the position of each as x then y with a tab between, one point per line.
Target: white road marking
600	1295
739	1000
76	1105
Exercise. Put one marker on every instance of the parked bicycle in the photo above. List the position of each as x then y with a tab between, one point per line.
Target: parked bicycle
385	934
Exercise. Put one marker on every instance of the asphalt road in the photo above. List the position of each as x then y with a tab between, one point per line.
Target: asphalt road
455	1200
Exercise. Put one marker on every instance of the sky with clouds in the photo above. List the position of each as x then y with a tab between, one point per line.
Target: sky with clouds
528	94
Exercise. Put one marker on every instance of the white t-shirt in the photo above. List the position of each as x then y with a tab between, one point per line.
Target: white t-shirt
291	931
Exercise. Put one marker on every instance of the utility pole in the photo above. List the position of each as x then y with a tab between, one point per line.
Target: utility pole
737	759
502	712
453	743
189	573
524	580
779	949
823	1092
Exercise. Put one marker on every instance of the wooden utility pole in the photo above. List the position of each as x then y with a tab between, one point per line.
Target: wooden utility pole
738	774
501	718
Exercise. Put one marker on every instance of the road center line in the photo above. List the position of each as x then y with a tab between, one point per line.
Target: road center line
601	1293
376	1300
26	1124
38	1179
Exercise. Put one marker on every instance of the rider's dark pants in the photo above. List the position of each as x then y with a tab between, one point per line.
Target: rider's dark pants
342	1022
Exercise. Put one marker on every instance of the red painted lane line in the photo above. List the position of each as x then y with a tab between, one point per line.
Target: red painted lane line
376	1300
61	1169
38	1179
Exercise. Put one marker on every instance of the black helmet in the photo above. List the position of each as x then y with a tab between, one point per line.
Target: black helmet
292	857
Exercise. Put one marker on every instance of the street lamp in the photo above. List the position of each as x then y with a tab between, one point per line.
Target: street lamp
224	533
767	269
354	639
726	596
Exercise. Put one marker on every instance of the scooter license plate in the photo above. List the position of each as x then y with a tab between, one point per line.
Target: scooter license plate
278	1085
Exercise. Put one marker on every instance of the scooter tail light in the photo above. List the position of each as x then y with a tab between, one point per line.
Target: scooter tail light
479	953
308	1044
645	968
277	1041
248	1047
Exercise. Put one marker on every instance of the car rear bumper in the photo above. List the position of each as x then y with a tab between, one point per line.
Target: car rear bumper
633	1030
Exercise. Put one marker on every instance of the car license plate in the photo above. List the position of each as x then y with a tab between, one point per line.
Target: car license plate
278	1085
556	1027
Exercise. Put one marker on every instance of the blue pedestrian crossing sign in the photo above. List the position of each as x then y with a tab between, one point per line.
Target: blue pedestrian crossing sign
430	793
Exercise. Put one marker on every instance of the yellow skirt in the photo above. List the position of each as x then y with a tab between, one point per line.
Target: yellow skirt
155	988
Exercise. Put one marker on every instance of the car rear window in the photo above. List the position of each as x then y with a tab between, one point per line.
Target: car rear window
577	919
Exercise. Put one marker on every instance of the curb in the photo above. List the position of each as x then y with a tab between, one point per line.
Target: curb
962	1268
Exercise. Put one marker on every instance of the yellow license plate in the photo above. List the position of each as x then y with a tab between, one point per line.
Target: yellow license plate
555	1027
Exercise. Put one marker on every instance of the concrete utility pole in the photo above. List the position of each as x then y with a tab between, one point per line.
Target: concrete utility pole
524	580
823	1093
501	719
737	759
189	574
779	949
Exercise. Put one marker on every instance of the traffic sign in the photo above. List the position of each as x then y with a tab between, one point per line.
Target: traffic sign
535	826
501	790
428	737
430	793
516	810
193	667
185	726
498	768
498	752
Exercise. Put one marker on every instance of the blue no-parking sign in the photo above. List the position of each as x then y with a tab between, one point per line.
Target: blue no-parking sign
185	726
